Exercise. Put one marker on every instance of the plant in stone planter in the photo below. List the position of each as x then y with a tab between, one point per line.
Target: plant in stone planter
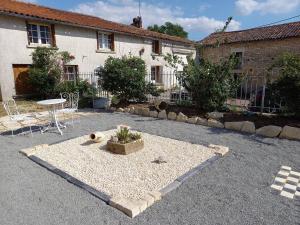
125	142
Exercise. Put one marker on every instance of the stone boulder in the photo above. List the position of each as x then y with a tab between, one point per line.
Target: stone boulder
112	108
248	127
215	115
290	133
234	125
126	110
132	110
145	111
192	120
202	121
153	114
215	123
120	110
172	116
181	117
269	131
162	114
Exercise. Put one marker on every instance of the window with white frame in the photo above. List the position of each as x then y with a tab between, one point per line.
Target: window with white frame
39	34
70	73
106	41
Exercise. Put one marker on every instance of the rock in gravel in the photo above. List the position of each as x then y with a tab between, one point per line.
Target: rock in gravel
290	133
162	114
234	125
181	117
248	127
269	131
120	110
172	116
132	110
126	110
202	121
215	123
192	120
153	114
215	115
145	111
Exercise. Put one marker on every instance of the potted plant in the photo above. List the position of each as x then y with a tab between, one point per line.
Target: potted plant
125	142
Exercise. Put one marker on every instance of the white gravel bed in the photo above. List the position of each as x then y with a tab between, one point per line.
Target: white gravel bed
131	176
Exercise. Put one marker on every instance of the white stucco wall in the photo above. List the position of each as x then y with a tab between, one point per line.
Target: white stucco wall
80	42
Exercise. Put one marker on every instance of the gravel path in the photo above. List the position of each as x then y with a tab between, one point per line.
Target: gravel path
233	190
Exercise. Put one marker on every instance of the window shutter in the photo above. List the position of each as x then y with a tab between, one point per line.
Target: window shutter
112	38
157	47
27	29
97	36
53	35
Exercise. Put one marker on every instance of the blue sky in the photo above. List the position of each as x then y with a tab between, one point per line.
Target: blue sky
198	17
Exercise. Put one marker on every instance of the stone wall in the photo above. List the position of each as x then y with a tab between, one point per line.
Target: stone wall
257	55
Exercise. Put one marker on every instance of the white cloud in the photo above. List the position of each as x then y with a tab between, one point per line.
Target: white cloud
247	7
124	11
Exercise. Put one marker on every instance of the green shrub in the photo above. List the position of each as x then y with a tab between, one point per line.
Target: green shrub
47	69
80	86
209	84
287	86
125	78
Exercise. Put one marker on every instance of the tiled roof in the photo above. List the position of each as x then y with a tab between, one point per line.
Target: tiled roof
256	34
77	19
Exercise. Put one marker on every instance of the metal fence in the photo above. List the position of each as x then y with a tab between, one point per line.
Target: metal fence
252	93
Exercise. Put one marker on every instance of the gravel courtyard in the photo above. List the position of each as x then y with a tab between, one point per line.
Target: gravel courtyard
233	190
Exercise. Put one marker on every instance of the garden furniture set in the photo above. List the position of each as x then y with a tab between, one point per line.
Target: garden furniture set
67	104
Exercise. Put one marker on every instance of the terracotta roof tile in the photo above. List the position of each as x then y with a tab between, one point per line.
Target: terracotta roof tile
256	34
77	19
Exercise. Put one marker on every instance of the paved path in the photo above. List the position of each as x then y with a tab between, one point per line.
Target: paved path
234	190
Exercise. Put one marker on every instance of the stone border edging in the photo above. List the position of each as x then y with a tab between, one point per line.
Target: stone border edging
271	131
130	207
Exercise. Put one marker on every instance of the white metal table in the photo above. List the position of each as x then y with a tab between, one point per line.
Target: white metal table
52	105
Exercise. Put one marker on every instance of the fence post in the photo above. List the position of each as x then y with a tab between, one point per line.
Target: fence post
263	97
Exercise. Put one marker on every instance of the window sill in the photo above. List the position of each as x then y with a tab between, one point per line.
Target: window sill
40	45
105	51
156	54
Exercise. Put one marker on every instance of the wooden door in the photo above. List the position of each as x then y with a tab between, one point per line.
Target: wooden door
21	80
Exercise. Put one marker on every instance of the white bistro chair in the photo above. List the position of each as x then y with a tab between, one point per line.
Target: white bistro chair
71	105
23	120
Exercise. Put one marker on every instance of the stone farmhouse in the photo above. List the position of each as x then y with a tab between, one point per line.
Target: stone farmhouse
91	40
255	48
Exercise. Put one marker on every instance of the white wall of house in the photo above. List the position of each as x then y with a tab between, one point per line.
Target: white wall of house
80	42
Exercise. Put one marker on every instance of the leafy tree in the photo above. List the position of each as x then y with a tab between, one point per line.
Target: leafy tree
46	70
170	29
125	78
210	84
287	86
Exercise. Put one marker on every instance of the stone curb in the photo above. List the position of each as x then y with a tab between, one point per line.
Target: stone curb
70	179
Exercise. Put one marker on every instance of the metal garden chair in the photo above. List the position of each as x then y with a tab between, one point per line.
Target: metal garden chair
71	104
24	120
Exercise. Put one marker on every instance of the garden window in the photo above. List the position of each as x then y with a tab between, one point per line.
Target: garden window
70	73
39	34
105	41
156	47
156	74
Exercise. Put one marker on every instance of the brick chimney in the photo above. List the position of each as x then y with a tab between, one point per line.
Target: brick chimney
137	22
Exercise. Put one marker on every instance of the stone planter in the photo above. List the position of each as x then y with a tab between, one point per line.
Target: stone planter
125	149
